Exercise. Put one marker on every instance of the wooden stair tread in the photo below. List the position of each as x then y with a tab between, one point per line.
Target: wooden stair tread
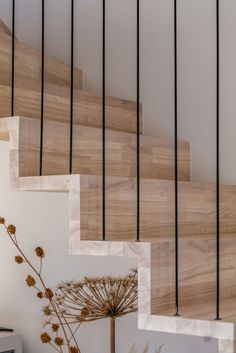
157	154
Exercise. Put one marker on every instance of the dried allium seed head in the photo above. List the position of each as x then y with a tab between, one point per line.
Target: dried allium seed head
55	327
2	220
74	350
47	311
96	298
45	338
59	341
30	281
49	293
11	229
40	295
19	260
40	252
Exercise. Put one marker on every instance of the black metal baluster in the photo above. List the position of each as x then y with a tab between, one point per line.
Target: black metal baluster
138	120
13	59
104	120
72	88
176	161
217	164
42	89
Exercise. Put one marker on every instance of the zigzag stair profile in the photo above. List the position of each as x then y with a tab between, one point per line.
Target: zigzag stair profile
155	257
197	248
156	251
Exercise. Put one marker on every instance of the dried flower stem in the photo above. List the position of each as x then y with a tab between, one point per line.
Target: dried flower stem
39	277
58	312
112	335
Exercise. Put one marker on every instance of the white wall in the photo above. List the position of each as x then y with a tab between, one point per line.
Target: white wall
196	124
42	219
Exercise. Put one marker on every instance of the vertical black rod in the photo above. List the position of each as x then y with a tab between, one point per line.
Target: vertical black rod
13	60
217	165
72	88
42	90
138	121
176	161
104	119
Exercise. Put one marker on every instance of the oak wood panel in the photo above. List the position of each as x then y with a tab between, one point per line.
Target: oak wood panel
120	114
28	66
197	208
197	277
157	155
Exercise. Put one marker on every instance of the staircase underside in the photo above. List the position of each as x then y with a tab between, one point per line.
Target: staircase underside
155	260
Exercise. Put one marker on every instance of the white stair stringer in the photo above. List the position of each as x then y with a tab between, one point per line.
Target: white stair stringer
143	252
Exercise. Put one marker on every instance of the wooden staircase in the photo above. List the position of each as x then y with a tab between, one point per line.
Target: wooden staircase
155	252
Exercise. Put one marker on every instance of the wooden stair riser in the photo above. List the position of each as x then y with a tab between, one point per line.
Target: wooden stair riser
121	115
28	66
157	155
197	210
197	277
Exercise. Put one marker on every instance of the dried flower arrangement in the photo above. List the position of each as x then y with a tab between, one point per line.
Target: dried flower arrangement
74	303
64	337
98	298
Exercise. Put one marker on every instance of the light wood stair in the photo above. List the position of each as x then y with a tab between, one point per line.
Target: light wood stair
28	65
120	113
197	215
155	252
157	154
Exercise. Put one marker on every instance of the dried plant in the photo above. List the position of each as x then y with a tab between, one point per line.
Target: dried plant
74	303
62	337
97	298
